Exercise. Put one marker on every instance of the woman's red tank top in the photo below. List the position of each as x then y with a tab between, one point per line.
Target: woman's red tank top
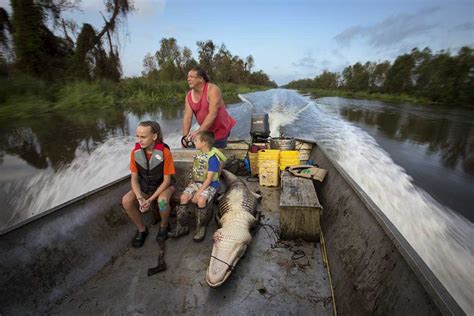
223	122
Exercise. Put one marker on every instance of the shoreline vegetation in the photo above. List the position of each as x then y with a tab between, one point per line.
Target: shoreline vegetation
48	64
24	97
385	97
420	77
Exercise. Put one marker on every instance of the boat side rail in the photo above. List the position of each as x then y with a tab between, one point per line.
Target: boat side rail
433	286
62	205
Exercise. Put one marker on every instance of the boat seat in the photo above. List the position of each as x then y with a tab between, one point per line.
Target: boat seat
300	209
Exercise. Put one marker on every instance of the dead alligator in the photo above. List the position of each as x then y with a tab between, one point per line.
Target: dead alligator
236	214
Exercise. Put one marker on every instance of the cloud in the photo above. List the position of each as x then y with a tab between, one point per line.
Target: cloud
143	8
325	63
306	62
390	31
149	8
468	26
311	66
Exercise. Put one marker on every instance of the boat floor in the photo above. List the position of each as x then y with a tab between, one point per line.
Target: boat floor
266	280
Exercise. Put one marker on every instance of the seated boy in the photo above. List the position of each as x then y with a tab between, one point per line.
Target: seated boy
203	187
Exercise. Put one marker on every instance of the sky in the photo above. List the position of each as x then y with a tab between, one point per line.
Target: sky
291	40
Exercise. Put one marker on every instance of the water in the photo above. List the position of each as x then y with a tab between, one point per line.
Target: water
376	143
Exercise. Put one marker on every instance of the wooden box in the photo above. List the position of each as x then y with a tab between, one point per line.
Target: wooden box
300	209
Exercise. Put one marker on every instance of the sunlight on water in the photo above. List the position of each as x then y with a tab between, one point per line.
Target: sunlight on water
441	237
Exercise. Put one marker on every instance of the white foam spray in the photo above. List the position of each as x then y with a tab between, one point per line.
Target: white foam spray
88	171
442	238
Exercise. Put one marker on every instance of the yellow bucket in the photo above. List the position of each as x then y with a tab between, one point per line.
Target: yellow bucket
268	173
268	155
289	158
253	157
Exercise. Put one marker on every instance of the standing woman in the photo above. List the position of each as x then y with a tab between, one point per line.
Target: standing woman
205	101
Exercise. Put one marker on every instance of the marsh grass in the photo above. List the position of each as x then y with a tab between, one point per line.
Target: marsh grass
319	93
23	96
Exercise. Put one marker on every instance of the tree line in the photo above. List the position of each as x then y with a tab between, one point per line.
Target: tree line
171	63
38	41
439	77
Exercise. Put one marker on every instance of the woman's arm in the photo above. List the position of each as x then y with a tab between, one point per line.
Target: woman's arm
187	117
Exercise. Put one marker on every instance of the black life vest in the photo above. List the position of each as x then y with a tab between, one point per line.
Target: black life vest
150	172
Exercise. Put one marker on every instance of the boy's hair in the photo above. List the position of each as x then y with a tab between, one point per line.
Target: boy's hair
155	129
206	137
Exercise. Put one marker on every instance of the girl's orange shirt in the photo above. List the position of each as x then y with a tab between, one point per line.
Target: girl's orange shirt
168	168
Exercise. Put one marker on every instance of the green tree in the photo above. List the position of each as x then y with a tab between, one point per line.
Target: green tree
326	80
41	53
261	78
465	75
171	61
83	61
249	63
399	76
38	51
187	60
379	75
206	51
223	68
149	65
422	71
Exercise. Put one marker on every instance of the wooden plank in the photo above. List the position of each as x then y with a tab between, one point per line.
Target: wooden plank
300	209
297	191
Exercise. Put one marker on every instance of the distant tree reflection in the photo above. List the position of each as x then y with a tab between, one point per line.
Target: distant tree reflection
443	130
52	140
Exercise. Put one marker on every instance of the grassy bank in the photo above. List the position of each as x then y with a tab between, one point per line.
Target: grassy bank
319	93
23	97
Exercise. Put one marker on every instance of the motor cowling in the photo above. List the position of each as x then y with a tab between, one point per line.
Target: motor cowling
259	127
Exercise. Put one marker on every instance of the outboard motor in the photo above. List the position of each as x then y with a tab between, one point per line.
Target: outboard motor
259	128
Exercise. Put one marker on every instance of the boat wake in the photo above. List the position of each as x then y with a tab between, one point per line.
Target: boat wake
85	173
442	238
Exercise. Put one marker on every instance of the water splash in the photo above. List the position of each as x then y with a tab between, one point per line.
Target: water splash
89	170
85	173
441	237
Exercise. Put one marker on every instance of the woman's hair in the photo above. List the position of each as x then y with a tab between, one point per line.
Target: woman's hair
200	72
155	128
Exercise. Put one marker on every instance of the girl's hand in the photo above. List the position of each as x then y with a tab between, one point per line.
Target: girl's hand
144	204
195	197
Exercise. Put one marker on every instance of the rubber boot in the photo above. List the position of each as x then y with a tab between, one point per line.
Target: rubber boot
181	228
203	217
